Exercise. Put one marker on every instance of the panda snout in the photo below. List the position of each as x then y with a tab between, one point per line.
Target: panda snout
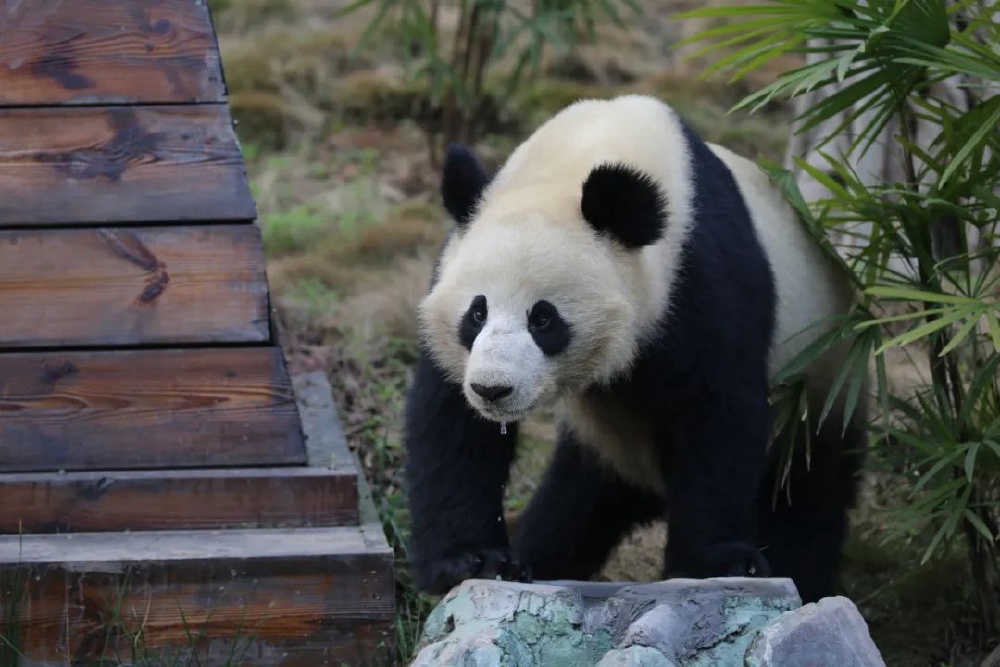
492	392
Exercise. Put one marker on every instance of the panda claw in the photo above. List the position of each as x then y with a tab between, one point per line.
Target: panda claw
440	576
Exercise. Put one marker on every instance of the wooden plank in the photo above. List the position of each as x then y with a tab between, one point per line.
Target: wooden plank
177	499
285	597
147	409
121	286
119	165
108	52
129	287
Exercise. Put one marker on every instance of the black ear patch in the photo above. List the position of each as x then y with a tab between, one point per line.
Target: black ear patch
463	181
624	202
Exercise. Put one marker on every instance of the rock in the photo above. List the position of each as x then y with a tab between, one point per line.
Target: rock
710	621
635	656
829	632
483	622
675	623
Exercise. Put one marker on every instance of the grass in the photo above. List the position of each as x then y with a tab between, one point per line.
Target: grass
350	219
119	637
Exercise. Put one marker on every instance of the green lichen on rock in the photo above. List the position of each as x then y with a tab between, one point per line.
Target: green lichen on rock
635	656
675	623
510	624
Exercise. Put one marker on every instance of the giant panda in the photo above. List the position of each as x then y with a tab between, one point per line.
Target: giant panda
645	285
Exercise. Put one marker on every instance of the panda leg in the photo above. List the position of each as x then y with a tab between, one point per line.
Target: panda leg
457	466
802	539
579	513
717	456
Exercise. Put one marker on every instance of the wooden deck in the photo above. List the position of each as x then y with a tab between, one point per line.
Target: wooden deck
168	489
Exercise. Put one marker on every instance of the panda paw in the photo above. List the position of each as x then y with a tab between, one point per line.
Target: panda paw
737	560
439	576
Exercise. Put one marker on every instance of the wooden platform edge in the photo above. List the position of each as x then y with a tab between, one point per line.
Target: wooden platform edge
326	442
326	445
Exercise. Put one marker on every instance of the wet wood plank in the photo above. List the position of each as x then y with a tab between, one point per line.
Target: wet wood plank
147	409
280	597
177	499
108	52
119	286
100	165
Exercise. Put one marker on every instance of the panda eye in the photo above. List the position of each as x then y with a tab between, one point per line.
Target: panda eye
477	310
542	317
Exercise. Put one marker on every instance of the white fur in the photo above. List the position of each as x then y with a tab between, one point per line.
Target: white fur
528	241
809	292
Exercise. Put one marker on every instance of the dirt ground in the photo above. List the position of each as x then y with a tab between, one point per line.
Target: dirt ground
349	212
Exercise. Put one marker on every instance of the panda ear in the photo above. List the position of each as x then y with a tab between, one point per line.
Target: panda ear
462	183
624	202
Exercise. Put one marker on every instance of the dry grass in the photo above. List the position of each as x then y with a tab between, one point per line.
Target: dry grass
350	216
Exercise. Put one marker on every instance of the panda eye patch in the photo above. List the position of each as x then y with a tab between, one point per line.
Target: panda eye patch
549	330
472	322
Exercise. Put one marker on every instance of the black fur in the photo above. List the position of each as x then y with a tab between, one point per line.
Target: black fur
463	180
469	327
703	383
457	466
551	333
624	202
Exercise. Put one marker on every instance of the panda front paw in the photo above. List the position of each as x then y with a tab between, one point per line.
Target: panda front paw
737	560
727	559
439	576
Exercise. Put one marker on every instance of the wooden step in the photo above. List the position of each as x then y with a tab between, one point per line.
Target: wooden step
121	165
108	52
288	597
147	409
202	284
177	499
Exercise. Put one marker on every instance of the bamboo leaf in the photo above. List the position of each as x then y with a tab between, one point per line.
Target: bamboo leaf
910	294
994	325
970	460
978	524
922	331
988	126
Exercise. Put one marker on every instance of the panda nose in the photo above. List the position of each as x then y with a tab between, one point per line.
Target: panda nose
492	392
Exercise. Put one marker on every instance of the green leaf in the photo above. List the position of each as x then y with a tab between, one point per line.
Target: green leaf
984	378
978	524
923	331
994	326
988	126
942	463
902	317
910	294
970	460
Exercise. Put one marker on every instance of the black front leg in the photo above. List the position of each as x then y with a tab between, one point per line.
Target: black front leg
715	469
457	465
580	512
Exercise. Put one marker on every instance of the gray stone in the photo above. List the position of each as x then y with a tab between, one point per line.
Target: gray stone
830	632
635	656
484	622
705	621
675	623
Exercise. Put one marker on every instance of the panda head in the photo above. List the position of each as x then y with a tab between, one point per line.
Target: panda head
542	289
